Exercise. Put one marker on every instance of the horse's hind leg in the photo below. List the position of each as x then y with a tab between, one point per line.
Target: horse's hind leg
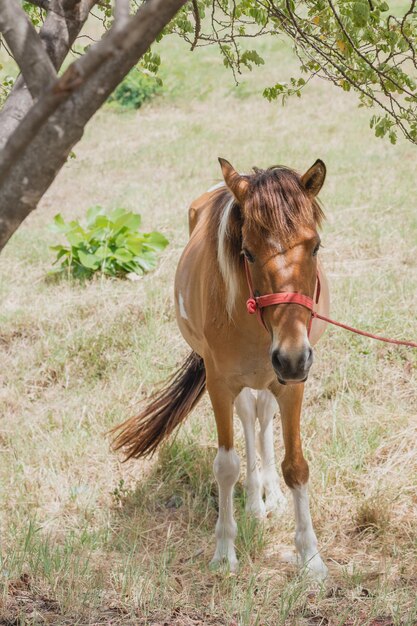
245	405
296	472
226	470
266	407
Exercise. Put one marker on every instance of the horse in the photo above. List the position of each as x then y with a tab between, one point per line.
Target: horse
252	234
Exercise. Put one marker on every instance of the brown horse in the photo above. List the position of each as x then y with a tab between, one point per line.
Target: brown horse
267	221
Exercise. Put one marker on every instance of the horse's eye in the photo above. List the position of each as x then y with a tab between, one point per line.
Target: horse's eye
248	255
316	249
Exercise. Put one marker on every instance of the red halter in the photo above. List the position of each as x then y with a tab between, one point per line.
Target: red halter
256	304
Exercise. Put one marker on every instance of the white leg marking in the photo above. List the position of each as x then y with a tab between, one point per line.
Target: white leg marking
226	470
183	312
305	537
245	405
266	407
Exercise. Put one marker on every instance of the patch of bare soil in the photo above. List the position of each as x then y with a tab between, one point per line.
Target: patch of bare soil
23	605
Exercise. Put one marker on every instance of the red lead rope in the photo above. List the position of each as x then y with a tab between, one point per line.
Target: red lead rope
254	305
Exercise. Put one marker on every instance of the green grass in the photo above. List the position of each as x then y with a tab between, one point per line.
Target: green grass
86	539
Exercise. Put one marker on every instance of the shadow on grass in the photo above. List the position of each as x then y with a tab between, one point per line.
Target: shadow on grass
179	495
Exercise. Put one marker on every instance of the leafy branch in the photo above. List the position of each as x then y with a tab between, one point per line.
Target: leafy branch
357	45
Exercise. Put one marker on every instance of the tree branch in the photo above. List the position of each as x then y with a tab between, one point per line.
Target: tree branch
26	47
357	51
197	19
41	110
60	29
121	12
62	25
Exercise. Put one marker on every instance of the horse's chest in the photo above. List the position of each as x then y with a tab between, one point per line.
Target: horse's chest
246	365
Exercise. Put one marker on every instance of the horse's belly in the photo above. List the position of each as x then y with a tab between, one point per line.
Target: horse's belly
188	332
188	298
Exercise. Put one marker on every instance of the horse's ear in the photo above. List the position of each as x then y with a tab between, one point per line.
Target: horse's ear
313	179
237	184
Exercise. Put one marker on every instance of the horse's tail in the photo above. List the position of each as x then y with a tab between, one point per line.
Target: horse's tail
140	435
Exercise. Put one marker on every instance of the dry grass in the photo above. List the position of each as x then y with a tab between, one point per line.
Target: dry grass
87	540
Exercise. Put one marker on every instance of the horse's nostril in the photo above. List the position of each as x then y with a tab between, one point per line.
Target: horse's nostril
292	366
277	363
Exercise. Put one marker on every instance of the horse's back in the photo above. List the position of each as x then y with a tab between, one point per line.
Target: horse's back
195	267
200	207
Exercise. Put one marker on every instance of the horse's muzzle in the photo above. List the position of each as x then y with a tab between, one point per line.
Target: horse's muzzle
292	367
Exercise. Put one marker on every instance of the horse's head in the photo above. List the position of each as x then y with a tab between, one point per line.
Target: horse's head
275	220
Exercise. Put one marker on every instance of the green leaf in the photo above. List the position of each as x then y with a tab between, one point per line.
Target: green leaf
157	240
89	260
122	254
75	237
134	244
128	220
61	253
102	252
360	13
92	214
59	225
251	56
102	221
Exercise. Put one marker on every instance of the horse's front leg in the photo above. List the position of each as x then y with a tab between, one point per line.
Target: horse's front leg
296	473
226	470
245	405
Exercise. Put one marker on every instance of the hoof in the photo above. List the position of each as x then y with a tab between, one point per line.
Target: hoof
315	569
219	563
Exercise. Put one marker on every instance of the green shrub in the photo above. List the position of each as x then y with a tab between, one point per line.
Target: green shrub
109	243
135	89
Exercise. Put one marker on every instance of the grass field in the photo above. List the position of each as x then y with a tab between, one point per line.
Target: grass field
89	540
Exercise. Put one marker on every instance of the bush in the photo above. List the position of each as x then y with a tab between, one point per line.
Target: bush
135	89
109	243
